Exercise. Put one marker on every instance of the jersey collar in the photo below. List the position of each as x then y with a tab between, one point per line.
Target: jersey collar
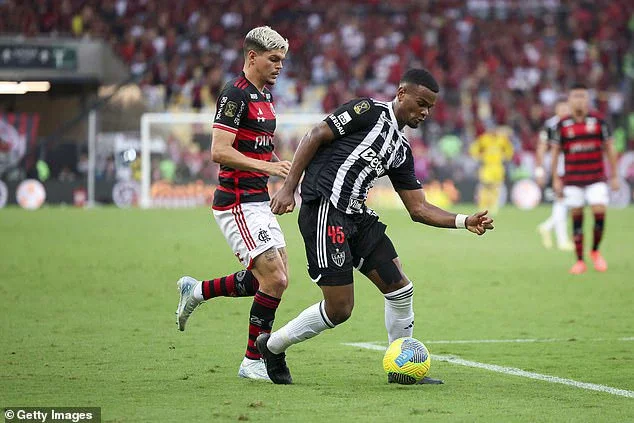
393	116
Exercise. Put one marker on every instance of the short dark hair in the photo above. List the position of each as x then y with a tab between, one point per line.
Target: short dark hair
251	44
578	86
420	77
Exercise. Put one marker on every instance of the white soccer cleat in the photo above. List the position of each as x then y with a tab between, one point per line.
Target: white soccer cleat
187	303
253	369
547	241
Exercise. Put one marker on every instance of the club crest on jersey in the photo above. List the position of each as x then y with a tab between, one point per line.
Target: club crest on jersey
570	133
361	107
272	109
591	126
339	257
230	109
263	235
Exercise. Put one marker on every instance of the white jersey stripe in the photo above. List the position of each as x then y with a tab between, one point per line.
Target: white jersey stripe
356	189
369	139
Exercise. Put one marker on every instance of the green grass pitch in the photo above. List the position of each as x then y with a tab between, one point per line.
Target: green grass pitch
87	300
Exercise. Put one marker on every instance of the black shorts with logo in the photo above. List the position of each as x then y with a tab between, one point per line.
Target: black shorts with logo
336	241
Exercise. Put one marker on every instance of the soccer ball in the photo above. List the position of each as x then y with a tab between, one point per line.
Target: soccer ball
406	361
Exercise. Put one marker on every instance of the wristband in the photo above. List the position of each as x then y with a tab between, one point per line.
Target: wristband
461	221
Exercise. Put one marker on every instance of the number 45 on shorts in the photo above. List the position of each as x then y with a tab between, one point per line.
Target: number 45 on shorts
336	234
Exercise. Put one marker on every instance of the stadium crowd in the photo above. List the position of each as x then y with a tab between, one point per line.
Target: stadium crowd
499	62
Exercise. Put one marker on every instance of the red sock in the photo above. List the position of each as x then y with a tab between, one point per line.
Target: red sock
577	231
261	321
599	222
240	284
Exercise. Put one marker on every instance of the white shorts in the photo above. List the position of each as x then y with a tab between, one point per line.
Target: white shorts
594	194
250	229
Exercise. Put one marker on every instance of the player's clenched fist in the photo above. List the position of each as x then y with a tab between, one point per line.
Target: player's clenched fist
283	201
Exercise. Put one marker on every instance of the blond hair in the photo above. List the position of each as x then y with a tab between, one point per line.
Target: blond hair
264	38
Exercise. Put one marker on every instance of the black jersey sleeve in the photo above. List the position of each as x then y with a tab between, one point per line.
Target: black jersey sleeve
353	116
403	177
231	108
555	134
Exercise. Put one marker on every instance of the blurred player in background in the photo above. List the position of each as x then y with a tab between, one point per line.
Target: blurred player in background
343	156
584	137
491	149
557	219
243	145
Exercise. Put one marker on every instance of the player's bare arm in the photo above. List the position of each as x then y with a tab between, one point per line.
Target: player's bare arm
284	200
422	211
222	152
557	183
613	163
540	173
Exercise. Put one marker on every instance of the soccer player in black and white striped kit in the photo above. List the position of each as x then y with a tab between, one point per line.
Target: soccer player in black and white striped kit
342	157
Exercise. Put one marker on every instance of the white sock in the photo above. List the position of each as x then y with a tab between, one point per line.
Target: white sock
560	213
549	223
399	313
310	323
198	291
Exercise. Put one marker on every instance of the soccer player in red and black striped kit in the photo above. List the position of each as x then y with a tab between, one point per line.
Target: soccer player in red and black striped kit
243	146
584	137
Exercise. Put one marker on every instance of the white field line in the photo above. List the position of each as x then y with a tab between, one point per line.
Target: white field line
523	340
511	371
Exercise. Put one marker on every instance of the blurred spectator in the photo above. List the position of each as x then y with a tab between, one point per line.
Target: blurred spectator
498	61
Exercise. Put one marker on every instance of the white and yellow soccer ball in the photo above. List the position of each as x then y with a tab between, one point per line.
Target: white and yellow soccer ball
406	361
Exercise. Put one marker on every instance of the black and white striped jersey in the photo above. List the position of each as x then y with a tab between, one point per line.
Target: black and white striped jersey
368	145
547	133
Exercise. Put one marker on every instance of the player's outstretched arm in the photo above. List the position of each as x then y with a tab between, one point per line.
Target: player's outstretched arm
420	210
540	153
558	186
222	152
284	200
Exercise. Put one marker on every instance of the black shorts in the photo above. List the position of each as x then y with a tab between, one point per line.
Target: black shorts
336	241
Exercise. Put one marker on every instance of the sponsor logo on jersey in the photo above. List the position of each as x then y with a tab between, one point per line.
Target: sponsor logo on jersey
337	124
230	109
579	147
373	160
263	141
344	118
221	105
338	257
260	116
355	204
254	96
361	107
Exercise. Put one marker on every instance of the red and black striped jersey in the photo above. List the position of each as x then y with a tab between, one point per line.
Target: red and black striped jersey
582	143
249	114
